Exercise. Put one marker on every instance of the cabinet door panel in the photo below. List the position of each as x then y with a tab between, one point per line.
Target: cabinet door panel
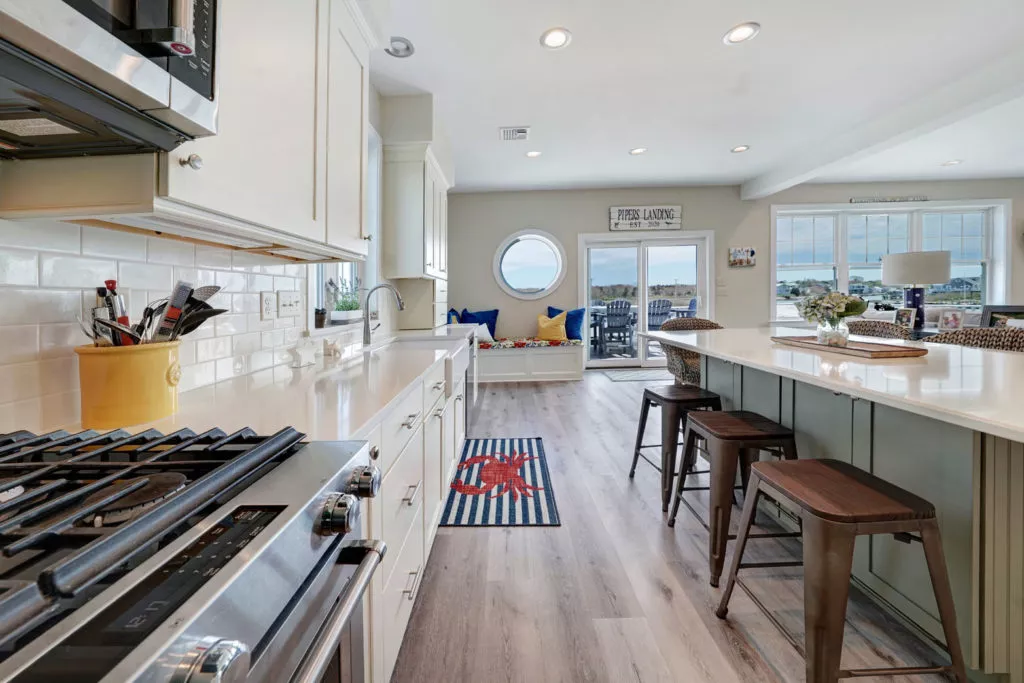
429	195
262	165
347	106
433	433
443	227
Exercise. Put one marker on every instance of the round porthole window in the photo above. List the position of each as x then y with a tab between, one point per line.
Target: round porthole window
529	264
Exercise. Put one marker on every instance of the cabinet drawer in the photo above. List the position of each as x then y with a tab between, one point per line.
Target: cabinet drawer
400	593
401	495
440	315
433	387
440	290
398	427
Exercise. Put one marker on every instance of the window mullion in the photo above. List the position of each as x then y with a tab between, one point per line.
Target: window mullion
839	249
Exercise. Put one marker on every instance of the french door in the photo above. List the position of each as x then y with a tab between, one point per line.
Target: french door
631	286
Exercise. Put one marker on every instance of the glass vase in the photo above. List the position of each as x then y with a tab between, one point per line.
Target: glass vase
833	332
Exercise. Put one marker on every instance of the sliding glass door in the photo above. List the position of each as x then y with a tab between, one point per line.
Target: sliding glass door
633	286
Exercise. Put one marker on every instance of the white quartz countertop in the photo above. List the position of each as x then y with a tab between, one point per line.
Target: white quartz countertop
332	400
973	388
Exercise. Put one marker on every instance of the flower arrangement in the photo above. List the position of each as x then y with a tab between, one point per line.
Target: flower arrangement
345	297
831	308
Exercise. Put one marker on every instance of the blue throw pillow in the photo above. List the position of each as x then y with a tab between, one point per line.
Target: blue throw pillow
453	317
573	321
489	318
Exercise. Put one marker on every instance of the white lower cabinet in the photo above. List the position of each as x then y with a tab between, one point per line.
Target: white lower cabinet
418	451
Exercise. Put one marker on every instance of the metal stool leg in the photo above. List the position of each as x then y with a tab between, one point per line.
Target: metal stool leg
746	521
932	542
724	462
645	408
828	564
670	415
689	456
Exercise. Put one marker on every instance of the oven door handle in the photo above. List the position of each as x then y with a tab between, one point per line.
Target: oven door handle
369	555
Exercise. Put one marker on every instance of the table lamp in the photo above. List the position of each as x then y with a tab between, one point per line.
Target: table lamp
912	270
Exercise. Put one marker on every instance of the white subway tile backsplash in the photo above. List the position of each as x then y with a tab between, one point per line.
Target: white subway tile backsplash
75	271
231	282
51	236
171	252
112	244
226	324
212	349
19	267
146	276
26	306
19	344
49	272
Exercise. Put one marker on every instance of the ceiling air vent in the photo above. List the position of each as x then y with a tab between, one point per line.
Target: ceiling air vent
514	134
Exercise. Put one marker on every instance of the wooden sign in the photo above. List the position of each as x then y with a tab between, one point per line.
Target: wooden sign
645	218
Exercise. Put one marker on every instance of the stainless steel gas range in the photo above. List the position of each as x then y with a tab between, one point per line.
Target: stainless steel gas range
185	558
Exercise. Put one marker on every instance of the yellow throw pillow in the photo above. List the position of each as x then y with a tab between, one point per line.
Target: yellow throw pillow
552	329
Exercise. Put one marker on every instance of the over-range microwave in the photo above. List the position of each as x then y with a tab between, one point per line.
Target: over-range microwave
82	77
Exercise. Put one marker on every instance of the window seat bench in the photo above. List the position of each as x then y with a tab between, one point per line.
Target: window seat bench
526	359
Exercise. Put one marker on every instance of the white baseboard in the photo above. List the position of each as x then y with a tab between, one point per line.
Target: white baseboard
552	364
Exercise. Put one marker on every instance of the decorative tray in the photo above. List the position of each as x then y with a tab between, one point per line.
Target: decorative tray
855	348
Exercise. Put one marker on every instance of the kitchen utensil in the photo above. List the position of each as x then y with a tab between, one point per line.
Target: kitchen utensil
193	320
171	318
205	292
91	334
119	328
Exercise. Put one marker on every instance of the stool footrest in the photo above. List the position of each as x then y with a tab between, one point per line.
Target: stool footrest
901	671
755	565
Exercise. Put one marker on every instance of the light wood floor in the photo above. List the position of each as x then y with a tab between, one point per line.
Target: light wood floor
613	594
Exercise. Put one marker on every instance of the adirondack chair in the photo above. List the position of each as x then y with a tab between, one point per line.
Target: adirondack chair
658	311
620	324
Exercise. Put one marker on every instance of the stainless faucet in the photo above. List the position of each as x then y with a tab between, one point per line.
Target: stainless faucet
366	308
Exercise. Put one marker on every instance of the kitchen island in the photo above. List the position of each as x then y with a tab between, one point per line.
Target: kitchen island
948	426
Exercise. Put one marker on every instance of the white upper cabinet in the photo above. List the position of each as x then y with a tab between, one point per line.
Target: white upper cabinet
263	165
415	213
348	87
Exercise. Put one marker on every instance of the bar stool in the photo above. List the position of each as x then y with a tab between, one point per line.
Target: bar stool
734	440
838	502
676	401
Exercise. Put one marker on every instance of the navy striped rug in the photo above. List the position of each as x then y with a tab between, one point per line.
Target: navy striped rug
501	482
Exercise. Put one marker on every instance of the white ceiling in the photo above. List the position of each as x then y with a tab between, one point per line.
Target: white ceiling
654	73
990	144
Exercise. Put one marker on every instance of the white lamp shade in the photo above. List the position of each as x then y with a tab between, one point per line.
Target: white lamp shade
916	268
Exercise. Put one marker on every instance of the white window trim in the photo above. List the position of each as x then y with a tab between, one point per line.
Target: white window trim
998	245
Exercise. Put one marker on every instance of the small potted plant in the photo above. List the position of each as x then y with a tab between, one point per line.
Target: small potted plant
320	320
346	301
830	311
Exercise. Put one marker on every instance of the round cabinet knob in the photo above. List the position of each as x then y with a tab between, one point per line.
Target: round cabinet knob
340	515
364	482
193	161
217	661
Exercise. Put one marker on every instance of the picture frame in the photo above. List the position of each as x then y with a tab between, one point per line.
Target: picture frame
951	320
905	317
996	316
742	257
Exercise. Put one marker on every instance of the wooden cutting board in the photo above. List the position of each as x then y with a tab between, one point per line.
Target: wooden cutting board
855	348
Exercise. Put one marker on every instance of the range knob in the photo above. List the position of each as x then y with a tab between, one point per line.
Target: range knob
216	661
339	515
364	482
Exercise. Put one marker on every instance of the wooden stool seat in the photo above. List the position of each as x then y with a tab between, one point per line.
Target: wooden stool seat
839	492
675	401
835	503
681	393
739	424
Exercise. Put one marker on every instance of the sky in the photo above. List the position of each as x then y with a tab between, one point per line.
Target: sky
530	264
665	265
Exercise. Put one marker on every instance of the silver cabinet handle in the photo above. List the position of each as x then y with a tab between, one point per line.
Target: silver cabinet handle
410	499
410	421
438	386
374	452
193	161
326	645
410	589
439	413
459	397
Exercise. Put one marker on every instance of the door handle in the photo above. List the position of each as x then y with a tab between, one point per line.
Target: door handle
414	491
410	421
410	589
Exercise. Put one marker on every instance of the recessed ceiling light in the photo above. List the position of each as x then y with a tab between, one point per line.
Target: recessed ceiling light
638	151
401	47
741	148
533	155
953	162
741	33
556	38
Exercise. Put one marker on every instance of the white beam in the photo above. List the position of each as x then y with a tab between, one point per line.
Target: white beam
988	87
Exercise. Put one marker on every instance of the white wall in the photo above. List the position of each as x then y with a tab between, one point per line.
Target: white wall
477	223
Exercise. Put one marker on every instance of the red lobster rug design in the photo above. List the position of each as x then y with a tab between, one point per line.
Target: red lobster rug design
486	473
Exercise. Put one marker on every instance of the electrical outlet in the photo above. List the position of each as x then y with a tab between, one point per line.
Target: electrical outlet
289	304
268	305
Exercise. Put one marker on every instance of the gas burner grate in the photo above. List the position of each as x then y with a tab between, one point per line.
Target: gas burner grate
55	487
